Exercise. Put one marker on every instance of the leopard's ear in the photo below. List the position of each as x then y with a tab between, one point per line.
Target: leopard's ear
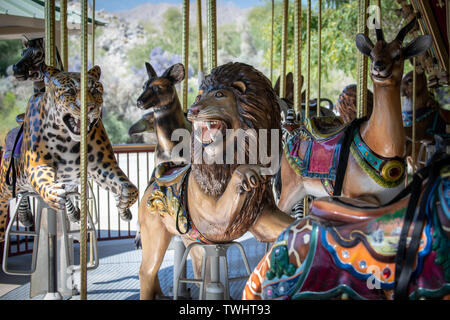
49	72
95	72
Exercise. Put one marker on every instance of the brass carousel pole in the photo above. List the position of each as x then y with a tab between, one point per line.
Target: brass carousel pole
63	26
271	41
93	34
297	55
91	236
212	34
185	53
413	128
361	101
308	85
83	149
319	56
284	49
200	42
50	45
308	60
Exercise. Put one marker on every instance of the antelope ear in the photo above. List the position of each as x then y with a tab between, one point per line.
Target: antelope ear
363	44
175	73
150	71
417	46
49	72
240	86
95	72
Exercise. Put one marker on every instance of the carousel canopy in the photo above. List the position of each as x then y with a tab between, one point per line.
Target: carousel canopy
26	17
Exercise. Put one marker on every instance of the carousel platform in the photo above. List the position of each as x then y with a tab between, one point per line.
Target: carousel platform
116	277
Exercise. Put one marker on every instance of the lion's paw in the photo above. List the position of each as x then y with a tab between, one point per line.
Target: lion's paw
248	177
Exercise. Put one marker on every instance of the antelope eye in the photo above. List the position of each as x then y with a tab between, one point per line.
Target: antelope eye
397	56
219	94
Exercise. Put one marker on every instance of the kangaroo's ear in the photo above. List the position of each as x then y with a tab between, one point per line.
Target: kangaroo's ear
95	72
150	71
276	88
363	44
417	46
49	72
175	73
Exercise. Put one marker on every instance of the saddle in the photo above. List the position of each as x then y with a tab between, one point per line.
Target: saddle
324	127
320	148
341	210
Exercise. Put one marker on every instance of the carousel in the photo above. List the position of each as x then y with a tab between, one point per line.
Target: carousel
257	190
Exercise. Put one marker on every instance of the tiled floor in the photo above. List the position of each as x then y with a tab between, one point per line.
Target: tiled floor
116	278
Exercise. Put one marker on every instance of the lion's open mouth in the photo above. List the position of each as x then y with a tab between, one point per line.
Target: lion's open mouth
74	125
209	130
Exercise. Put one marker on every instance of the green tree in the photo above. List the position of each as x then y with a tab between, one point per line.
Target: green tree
9	53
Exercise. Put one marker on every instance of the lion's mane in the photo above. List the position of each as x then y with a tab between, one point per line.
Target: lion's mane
258	109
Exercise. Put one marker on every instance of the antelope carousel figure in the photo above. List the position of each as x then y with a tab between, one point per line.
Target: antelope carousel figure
351	249
366	158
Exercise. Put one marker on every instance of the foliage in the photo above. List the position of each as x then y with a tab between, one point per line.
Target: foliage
338	53
9	53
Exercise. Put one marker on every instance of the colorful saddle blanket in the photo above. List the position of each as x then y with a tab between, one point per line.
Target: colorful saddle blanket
314	151
169	198
358	260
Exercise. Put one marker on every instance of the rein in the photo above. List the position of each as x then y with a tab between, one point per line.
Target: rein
11	180
405	258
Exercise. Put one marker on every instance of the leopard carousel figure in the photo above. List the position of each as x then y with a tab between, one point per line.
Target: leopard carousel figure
29	68
49	147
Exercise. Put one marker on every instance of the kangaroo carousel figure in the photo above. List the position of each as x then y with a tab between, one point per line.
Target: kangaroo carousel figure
49	147
218	202
366	158
348	248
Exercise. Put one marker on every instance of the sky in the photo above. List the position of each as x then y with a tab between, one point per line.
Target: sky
119	5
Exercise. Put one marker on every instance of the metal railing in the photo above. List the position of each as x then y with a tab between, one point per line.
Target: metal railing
137	162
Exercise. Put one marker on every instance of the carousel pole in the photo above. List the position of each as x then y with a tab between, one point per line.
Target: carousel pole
297	55
284	49
271	41
308	85
413	128
361	101
185	53
50	45
63	26
93	34
201	71
83	149
308	60
212	34
51	216
319	56
91	236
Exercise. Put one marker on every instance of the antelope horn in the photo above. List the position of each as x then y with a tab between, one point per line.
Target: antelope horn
404	31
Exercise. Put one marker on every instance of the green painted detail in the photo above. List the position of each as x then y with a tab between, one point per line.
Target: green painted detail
279	263
330	294
441	245
372	172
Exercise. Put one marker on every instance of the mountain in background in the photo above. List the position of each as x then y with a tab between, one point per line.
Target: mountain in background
227	13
